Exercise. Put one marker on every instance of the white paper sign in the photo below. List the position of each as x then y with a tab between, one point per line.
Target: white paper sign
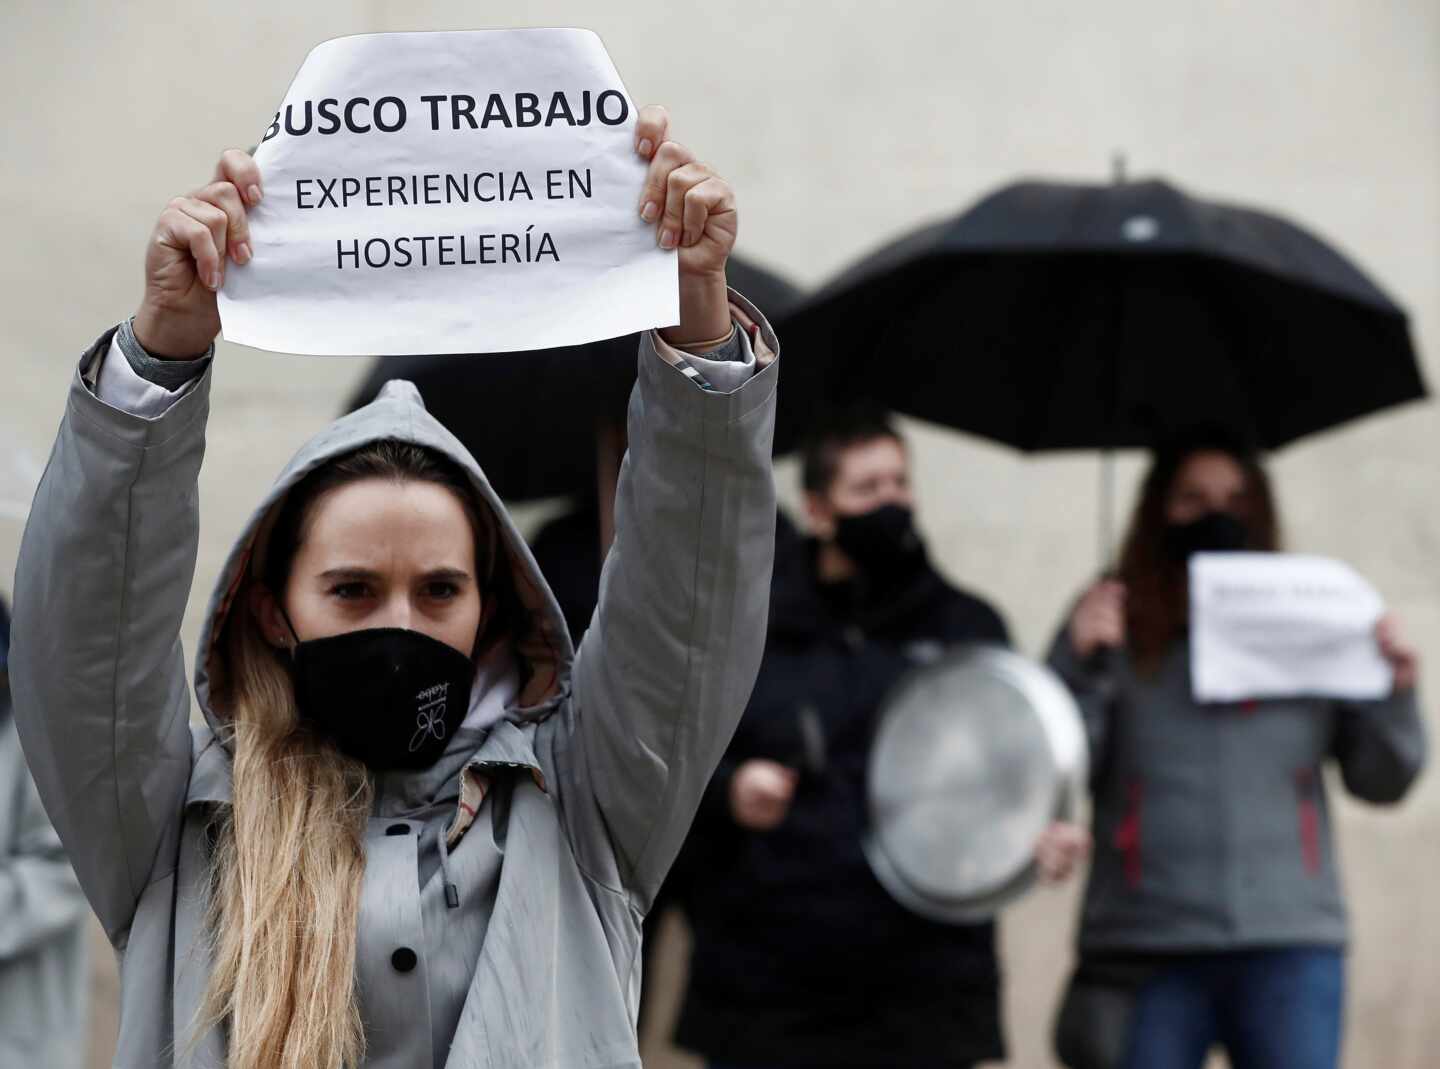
1271	625
450	193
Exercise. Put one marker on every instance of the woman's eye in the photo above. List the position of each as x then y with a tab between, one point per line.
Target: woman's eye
442	591
348	591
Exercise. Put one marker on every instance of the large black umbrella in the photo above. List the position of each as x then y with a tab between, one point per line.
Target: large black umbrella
1067	316
1064	316
546	423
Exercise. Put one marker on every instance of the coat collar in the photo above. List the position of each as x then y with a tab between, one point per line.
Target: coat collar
506	745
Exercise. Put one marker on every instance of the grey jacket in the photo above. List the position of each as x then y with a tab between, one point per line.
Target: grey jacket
44	973
1211	822
584	790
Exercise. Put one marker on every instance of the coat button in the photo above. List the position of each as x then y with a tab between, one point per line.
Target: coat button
398	829
403	959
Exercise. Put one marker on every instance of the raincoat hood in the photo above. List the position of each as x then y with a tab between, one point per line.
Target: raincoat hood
541	641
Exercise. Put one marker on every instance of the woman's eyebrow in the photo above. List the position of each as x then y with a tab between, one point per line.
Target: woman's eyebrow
355	573
349	572
454	575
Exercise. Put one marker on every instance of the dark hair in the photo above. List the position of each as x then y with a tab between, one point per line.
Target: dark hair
1158	603
400	462
837	430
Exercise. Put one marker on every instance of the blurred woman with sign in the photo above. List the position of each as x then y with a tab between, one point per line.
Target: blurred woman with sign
416	828
1213	912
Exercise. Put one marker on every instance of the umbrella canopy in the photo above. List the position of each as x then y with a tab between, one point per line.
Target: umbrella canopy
532	419
1065	316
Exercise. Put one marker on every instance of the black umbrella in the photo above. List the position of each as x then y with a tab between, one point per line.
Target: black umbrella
549	422
1068	316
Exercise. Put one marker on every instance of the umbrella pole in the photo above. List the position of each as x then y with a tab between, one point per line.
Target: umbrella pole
1107	456
1107	511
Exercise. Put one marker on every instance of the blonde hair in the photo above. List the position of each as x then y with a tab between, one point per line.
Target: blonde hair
286	873
289	853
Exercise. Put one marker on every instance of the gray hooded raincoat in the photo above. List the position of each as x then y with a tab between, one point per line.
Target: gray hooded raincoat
560	820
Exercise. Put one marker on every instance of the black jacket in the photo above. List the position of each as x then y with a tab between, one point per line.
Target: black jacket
800	957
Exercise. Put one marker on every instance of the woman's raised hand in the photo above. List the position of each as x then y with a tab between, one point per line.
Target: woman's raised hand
1099	619
693	210
185	259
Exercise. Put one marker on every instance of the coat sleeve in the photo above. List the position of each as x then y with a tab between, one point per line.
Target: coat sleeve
1092	683
97	672
1381	746
39	897
667	666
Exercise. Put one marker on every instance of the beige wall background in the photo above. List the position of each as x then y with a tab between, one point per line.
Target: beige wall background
839	123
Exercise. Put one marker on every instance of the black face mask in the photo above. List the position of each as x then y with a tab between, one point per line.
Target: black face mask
386	696
882	541
1214	532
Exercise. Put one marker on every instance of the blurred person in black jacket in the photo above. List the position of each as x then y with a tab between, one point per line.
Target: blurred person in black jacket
800	957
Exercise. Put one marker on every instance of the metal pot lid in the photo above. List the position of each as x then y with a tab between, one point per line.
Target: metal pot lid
973	757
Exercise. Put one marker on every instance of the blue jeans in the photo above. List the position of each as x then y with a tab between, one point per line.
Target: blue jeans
1271	1009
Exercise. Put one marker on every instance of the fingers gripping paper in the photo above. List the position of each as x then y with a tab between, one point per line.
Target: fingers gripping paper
450	193
1274	625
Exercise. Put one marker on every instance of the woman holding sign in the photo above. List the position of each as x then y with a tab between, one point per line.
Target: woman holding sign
416	828
1214	912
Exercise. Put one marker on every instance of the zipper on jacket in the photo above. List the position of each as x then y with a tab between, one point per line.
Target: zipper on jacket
1306	790
1127	834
